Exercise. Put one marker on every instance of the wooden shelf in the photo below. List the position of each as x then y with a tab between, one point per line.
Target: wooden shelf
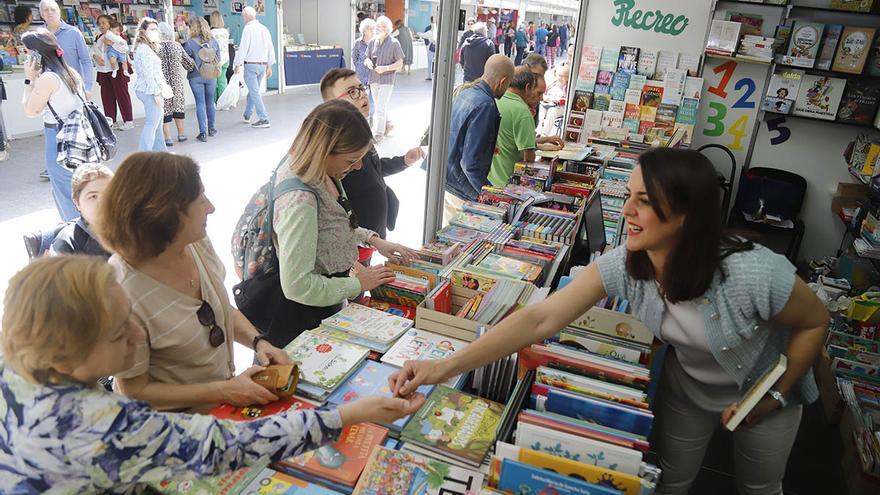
811	119
746	60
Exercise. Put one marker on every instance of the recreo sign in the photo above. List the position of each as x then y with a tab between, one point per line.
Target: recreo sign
648	20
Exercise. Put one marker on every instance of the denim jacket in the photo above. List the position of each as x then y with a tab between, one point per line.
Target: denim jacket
737	311
473	131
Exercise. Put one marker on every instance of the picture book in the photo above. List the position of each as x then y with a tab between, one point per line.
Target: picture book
609	60
344	460
511	267
421	344
370	379
412	271
234	482
397	295
518	477
248	413
828	47
324	362
576	448
859	103
351	338
469	279
440	252
599	411
393	309
782	91
803	45
369	323
454	234
455	424
475	222
757	391
627	484
589	68
590	386
401	472
852	51
819	97
628	59
271	482
593	366
579	428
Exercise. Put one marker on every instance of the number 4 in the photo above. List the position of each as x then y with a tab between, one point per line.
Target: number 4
738	131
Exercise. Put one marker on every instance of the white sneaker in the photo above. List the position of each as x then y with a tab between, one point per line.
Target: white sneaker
246	119
126	126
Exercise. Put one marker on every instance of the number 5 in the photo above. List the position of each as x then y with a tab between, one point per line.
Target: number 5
716	120
775	124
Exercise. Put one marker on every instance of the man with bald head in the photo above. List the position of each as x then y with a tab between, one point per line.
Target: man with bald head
473	131
257	55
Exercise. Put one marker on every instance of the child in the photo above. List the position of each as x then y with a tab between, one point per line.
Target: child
87	185
117	59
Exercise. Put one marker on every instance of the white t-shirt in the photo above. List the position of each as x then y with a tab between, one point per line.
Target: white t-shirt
63	101
100	48
222	36
684	329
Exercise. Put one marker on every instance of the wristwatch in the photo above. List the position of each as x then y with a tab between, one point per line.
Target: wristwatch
27	82
258	338
778	397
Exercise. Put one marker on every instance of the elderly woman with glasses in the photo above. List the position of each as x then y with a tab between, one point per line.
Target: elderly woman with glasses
153	217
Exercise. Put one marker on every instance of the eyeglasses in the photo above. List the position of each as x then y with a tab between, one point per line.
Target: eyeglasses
354	93
206	317
352	217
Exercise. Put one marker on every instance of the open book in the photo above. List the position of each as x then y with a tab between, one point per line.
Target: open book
757	392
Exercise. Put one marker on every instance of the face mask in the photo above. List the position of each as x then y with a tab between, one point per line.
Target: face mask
153	36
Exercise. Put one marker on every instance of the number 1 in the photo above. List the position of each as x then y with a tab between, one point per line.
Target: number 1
728	68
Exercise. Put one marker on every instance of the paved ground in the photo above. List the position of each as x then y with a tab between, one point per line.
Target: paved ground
234	164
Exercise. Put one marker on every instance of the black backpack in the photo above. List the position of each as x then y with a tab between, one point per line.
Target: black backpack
105	139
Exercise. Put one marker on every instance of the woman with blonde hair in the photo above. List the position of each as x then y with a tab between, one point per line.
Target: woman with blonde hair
221	34
68	323
203	49
149	85
317	233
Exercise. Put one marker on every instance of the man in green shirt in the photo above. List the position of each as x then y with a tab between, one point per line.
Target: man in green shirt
516	135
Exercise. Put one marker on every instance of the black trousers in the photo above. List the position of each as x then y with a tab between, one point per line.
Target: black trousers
290	318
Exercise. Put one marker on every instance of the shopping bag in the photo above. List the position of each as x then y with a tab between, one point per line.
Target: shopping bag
234	91
865	308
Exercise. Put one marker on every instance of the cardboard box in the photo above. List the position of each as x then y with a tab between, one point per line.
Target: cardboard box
449	325
848	195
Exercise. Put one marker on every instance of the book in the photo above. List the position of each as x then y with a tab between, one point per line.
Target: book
601	103
391	472
757	391
421	344
233	482
665	60
590	386
751	23
828	47
576	448
687	111
390	308
589	69
342	461
628	59
647	62
324	362
368	323
599	411
455	424
693	88
619	85
819	97
609	60
853	49
249	413
370	379
517	477
859	103
803	45
273	482
512	267
666	116
872	66
582	101
782	91
475	222
603	82
723	37
852	5
689	62
673	85
440	299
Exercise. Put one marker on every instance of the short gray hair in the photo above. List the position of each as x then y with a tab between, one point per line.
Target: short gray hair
385	20
249	12
166	31
480	27
367	24
48	3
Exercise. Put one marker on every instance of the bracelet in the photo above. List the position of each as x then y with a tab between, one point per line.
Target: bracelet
257	339
778	397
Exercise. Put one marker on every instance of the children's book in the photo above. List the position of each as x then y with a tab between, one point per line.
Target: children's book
784	87
853	49
577	448
370	379
599	411
421	344
518	477
234	482
368	323
343	461
819	97
391	472
248	413
803	44
455	424
522	270
390	308
324	362
469	279
475	222
271	482
830	39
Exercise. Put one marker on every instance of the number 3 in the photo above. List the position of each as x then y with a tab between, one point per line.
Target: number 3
775	124
716	120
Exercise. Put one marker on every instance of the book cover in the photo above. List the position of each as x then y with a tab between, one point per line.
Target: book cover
632	97
441	299
627	484
475	222
271	482
369	323
673	85
343	460
454	234
609	59
859	102
599	411
324	362
637	82
757	391
665	116
581	429
517	477
652	95
819	97
665	60
576	448
390	472
628	59
750	23
515	268
593	118
591	386
803	45
647	62
249	413
853	49
397	295
390	308
421	344
415	272
619	85
601	102
582	101
647	125
604	79
234	482
468	279
693	88
872	66
612	119
782	91
828	46
370	379
723	37
456	424
589	68
689	62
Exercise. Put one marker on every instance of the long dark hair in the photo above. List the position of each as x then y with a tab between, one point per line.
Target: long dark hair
686	183
44	42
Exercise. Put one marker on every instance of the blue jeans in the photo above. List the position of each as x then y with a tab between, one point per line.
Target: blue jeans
431	56
59	177
541	48
253	74
203	91
152	138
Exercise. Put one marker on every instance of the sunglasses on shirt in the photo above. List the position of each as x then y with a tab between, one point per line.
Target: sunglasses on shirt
205	314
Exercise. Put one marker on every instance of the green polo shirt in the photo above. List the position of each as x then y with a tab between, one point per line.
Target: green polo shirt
515	135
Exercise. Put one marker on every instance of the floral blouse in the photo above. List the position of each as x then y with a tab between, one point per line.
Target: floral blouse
76	439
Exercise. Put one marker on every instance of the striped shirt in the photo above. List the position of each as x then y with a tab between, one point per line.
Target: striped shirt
177	349
385	52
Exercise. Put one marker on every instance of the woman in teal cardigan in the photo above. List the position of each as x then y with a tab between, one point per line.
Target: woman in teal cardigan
728	308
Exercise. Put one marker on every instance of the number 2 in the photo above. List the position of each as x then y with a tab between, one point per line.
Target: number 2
728	68
717	120
775	124
750	88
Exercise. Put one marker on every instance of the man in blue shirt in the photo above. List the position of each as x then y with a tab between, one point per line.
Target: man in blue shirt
521	40
76	53
563	40
541	39
473	131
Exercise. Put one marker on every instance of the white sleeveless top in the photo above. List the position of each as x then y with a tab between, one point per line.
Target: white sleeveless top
63	101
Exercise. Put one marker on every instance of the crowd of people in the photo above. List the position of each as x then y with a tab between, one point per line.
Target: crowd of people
132	293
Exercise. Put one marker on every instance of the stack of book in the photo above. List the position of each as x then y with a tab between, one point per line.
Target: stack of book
613	186
422	344
392	471
723	37
756	47
475	221
404	290
395	309
374	328
548	224
534	175
324	362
